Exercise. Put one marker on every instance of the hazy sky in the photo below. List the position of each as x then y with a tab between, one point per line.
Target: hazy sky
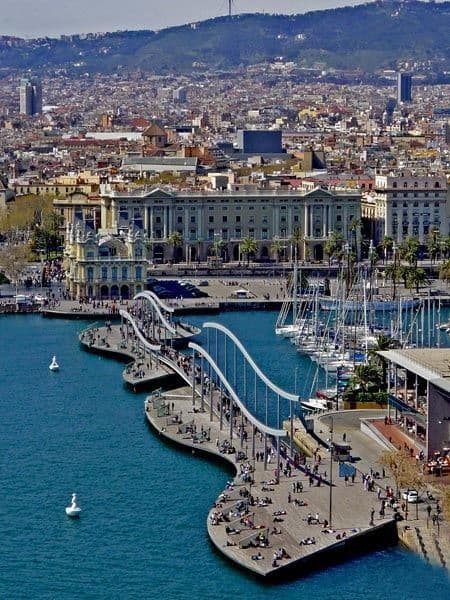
34	18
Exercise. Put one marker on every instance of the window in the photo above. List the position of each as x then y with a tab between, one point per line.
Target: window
211	219
238	218
338	218
394	184
114	273
104	273
124	273
138	273
192	218
90	274
224	219
210	234
138	253
179	219
90	254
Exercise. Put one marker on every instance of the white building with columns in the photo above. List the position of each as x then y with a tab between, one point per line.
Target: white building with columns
410	204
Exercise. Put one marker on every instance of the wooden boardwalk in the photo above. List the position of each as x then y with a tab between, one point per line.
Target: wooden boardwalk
141	371
255	517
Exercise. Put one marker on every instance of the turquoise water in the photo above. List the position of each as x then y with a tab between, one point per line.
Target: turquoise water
142	533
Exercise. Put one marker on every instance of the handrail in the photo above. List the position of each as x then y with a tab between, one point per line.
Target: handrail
158	300
261	426
162	318
266	380
151	347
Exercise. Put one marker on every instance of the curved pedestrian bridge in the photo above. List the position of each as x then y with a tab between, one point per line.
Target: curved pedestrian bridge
282	512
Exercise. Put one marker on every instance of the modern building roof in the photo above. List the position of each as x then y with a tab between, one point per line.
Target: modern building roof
432	364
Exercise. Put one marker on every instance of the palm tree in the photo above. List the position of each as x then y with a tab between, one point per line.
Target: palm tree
297	240
444	271
249	247
383	343
417	277
446	246
355	227
393	273
175	239
277	248
334	246
434	244
218	245
386	245
409	250
365	379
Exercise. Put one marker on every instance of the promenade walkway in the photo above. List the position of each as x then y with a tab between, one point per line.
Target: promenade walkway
265	526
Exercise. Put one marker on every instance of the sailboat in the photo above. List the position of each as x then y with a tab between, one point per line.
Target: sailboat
54	365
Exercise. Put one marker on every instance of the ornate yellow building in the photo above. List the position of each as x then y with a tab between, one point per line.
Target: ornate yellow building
104	266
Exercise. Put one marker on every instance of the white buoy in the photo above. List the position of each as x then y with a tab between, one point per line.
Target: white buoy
54	365
73	510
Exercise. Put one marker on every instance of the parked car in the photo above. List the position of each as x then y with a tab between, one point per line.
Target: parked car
411	496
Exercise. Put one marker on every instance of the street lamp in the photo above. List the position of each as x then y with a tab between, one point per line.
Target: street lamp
330	508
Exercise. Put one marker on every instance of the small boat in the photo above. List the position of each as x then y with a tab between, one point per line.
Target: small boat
73	510
54	365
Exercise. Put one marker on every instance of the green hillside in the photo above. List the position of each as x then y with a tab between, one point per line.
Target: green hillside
369	36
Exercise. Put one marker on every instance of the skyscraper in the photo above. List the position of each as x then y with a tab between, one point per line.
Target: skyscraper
404	86
30	94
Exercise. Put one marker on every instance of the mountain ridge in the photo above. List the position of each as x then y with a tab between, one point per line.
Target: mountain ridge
368	37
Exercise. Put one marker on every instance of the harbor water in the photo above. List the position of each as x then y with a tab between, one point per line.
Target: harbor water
142	533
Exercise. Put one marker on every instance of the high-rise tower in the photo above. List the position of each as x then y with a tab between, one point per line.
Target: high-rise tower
404	87
30	95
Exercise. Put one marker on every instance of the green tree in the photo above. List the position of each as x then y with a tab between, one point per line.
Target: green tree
218	246
334	246
249	247
409	250
277	248
383	343
416	278
297	241
175	239
444	271
13	260
386	246
355	230
434	243
392	272
366	378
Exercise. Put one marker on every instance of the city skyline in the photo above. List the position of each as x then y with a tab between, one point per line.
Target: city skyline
53	18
